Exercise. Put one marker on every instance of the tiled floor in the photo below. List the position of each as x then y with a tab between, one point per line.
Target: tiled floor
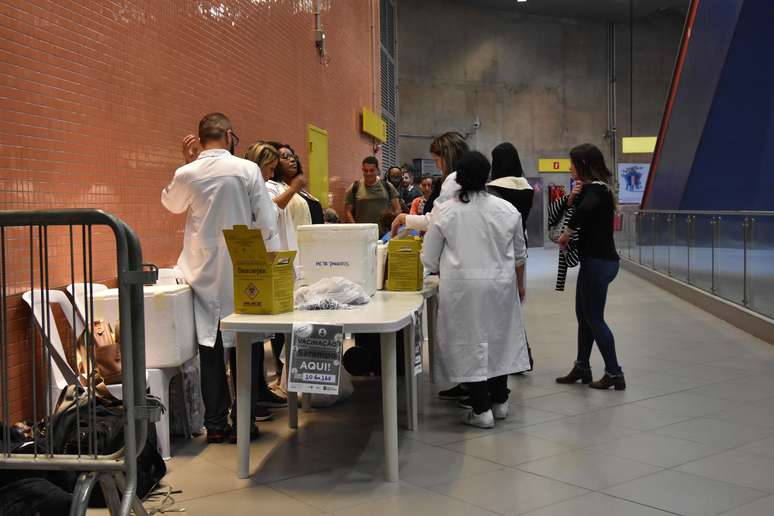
692	435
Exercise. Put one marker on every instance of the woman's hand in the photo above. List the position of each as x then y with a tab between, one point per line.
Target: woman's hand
576	190
297	183
522	293
400	221
564	240
190	148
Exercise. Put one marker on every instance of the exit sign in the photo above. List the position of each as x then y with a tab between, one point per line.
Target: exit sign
553	165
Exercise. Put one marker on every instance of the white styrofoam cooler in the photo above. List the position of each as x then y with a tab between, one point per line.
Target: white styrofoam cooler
170	332
346	250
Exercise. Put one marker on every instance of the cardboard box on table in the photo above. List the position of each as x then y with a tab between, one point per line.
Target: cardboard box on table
345	250
404	265
263	281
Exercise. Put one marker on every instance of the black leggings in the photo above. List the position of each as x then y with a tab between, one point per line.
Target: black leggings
483	394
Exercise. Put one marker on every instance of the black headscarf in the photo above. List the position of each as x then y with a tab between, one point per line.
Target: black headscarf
506	162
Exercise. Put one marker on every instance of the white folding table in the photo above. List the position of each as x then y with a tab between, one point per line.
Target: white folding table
386	314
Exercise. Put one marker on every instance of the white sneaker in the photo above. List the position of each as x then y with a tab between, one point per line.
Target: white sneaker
500	410
483	420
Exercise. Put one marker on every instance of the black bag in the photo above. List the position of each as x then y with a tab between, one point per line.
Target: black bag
70	423
366	358
33	497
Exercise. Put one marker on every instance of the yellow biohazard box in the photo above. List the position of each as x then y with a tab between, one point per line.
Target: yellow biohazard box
404	265
263	281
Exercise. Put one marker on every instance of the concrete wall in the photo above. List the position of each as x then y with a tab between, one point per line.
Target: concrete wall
538	82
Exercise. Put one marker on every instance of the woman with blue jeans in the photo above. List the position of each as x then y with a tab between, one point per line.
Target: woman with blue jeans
599	261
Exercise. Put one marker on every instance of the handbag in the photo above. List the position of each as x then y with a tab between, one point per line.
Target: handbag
107	353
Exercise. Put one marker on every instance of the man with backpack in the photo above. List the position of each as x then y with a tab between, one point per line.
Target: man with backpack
369	197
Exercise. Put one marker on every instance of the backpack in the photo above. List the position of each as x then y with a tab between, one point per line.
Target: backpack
356	186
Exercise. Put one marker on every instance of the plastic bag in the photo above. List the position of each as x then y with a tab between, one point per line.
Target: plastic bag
331	294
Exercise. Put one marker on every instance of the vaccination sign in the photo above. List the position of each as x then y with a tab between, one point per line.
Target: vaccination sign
315	358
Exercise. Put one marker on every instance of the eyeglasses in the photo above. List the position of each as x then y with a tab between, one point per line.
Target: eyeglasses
234	138
287	155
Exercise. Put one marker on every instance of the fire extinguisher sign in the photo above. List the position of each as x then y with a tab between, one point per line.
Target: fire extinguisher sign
548	165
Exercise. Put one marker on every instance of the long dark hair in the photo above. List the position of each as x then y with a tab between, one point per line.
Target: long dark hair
590	163
506	162
472	173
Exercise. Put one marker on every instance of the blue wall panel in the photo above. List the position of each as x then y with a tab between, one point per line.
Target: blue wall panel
733	168
711	36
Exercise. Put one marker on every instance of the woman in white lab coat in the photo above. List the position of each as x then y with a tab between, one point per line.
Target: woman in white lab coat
477	245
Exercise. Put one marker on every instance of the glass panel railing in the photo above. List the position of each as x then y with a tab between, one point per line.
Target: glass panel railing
678	250
760	265
729	257
700	259
661	239
729	254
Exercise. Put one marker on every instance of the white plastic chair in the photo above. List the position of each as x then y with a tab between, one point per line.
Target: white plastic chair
59	368
157	379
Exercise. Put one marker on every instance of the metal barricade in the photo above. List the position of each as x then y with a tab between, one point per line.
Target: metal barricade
36	246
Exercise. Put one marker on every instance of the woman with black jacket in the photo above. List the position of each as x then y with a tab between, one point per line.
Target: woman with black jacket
508	180
594	212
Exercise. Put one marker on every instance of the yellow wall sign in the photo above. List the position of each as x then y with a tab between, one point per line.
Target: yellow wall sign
639	145
374	125
553	165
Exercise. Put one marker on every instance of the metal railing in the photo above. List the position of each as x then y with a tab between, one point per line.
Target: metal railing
727	253
38	249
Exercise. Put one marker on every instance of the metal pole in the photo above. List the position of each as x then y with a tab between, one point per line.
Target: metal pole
714	226
673	237
689	221
746	242
653	241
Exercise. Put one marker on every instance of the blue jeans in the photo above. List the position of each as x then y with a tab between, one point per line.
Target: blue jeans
590	296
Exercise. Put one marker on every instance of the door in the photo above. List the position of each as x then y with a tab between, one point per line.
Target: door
318	164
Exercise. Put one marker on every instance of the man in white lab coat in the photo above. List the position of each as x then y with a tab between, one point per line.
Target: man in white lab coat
219	191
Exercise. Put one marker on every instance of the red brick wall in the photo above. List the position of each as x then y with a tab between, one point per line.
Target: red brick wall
96	96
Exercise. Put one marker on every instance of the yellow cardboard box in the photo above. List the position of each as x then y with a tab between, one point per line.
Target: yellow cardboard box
263	281
404	265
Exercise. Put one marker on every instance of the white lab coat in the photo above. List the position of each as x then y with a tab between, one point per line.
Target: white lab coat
476	247
449	188
219	191
286	229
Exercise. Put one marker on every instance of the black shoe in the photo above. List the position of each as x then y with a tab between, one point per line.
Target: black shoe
458	392
263	414
607	381
254	434
584	375
465	403
270	400
219	435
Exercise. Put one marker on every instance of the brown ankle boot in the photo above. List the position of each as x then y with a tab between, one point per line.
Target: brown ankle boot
607	381
584	375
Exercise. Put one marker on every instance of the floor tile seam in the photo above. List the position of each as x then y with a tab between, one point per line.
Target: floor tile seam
520	463
674	468
588	449
429	490
637	502
712	454
768	428
756	500
660	470
324	510
731	484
